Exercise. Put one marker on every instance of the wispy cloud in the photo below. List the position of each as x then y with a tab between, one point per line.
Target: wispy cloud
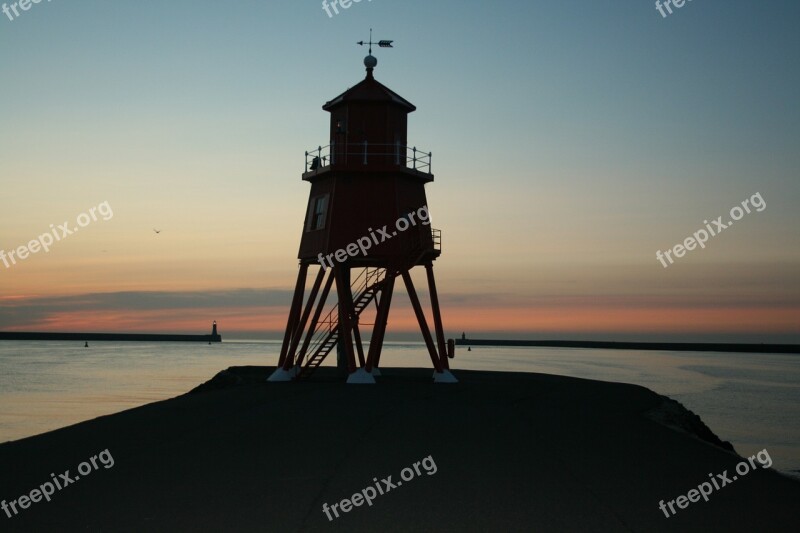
16	312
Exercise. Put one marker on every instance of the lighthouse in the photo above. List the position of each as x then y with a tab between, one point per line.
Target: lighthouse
366	226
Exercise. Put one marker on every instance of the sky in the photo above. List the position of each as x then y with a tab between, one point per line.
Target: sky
571	142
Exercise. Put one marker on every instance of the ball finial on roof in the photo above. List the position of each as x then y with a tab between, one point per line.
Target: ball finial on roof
370	61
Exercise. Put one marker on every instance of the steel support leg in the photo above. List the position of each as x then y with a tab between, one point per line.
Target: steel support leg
359	347
312	328
437	317
294	314
345	314
423	323
301	326
381	320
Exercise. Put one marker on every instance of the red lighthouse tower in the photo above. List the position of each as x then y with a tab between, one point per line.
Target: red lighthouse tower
367	225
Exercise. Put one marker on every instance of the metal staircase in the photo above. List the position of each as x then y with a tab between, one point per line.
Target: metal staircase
369	282
365	289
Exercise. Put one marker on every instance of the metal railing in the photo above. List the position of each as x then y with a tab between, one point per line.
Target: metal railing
365	153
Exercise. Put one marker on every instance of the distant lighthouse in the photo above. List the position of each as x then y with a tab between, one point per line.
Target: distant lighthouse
367	224
215	337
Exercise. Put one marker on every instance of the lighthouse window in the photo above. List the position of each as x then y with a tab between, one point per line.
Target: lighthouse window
317	212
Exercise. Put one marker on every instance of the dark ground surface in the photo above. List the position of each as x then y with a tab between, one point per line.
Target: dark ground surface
513	452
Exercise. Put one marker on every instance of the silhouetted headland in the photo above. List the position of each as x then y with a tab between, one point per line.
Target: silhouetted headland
513	452
663	346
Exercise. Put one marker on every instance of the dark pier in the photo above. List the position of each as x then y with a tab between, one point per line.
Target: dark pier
664	346
82	337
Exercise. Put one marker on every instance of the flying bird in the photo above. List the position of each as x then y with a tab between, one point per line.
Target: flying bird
157	230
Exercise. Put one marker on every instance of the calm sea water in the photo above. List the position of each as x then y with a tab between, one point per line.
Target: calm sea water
752	400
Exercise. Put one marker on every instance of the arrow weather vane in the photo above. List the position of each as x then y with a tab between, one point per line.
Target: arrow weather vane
382	44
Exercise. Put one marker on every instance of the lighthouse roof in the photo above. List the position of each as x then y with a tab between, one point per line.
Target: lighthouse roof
370	90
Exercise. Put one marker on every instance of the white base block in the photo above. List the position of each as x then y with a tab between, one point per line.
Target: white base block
361	376
376	371
444	377
284	375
